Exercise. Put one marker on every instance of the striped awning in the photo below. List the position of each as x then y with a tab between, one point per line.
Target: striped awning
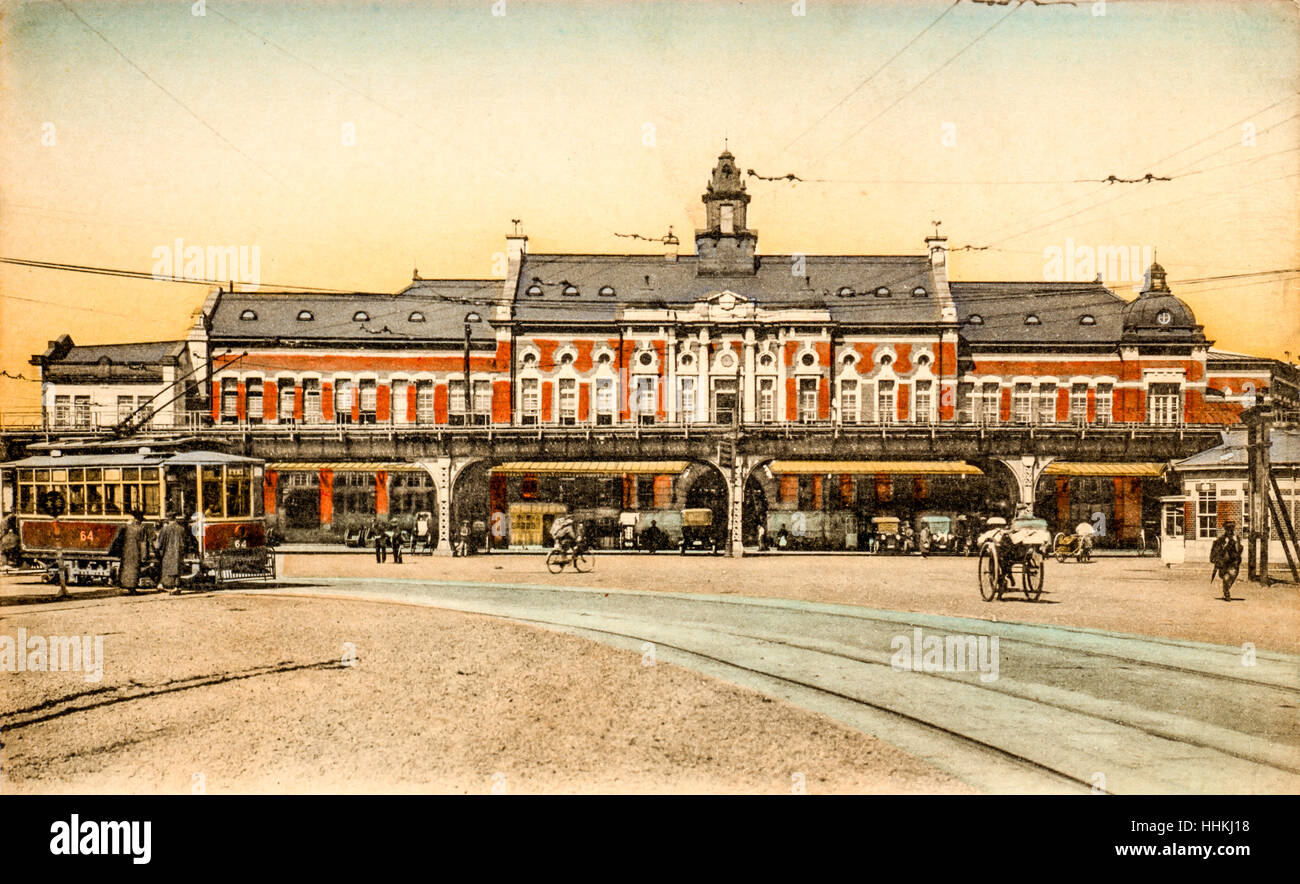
876	467
590	467
344	466
1066	468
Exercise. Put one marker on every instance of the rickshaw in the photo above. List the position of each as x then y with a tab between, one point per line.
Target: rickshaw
1077	545
1005	548
697	531
885	532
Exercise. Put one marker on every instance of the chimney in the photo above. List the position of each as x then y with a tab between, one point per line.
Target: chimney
670	246
938	246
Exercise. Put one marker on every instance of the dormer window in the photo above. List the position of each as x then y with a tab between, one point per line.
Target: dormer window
570	290
882	292
417	316
607	291
533	291
305	316
361	316
1031	319
248	316
1087	319
846	292
918	292
975	319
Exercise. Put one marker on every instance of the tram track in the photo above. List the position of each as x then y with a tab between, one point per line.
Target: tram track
999	738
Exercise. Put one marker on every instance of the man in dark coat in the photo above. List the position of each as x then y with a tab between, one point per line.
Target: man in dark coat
1225	555
171	550
129	546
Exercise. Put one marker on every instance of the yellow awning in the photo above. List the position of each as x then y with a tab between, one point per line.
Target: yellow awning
876	467
343	466
1060	468
587	467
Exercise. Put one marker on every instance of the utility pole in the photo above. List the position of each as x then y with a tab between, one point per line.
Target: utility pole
1258	422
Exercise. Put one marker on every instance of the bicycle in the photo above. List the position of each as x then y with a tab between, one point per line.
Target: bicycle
578	557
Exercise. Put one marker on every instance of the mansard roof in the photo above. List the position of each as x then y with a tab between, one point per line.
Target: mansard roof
427	309
652	280
1006	312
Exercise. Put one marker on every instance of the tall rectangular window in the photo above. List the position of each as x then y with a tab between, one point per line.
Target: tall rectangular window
229	400
885	413
1207	513
368	406
1046	404
686	400
1078	403
604	401
311	412
1164	403
924	402
424	413
482	402
1105	399
456	401
253	400
568	401
990	403
965	402
345	393
530	401
62	411
125	407
145	406
1022	403
808	399
767	399
81	410
849	401
285	393
644	399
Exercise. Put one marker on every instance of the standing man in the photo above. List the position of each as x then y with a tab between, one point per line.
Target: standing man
1225	555
171	546
129	544
395	539
381	542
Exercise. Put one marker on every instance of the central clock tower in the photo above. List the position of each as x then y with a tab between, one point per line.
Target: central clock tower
725	246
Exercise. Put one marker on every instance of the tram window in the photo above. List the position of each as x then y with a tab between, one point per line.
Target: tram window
212	491
152	498
131	474
111	507
26	499
94	500
58	476
76	500
76	475
238	491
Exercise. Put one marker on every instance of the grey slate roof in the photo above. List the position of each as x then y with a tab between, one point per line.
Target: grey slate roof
443	303
1284	449
1059	306
646	280
150	353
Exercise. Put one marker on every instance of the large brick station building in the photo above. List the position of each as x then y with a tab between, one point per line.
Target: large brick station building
867	348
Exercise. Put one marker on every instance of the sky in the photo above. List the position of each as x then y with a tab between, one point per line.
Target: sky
349	144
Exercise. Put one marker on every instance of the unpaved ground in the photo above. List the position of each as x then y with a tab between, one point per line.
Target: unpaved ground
245	694
1134	595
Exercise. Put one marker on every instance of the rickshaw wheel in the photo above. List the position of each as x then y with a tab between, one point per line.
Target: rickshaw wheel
1061	554
988	573
1033	569
582	563
555	561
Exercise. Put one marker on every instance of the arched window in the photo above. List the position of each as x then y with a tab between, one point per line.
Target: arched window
361	316
918	292
533	291
248	316
1031	319
607	291
882	292
846	292
923	360
571	290
975	319
1087	319
417	316
305	316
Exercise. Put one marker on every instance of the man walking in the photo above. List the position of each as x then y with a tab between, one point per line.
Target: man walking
381	542
130	548
1225	555
171	546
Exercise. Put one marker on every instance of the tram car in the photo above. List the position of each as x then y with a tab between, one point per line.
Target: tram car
71	506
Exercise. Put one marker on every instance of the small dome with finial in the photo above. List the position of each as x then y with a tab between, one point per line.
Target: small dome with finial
1157	314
